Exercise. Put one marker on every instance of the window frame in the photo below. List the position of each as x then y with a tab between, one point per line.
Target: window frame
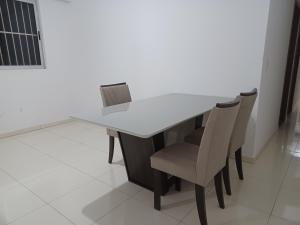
41	42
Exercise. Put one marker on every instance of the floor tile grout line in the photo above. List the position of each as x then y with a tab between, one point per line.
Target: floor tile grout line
250	207
67	138
70	139
46	130
45	203
279	190
49	203
64	163
78	170
162	210
71	166
109	211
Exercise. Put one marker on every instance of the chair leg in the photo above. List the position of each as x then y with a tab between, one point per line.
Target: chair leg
201	207
177	184
226	178
238	162
157	188
219	189
111	149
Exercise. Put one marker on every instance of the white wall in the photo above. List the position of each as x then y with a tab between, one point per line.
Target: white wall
194	46
201	47
208	47
273	72
32	97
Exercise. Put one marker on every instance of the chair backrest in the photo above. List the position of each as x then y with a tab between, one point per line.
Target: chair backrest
214	144
240	128
114	94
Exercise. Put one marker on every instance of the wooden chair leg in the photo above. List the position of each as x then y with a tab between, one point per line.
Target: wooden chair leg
219	189
157	188
201	207
111	149
239	163
177	184
226	178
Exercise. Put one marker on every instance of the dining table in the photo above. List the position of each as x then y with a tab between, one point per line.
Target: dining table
142	125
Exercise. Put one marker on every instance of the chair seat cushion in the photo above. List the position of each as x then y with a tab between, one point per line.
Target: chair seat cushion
195	137
178	160
112	133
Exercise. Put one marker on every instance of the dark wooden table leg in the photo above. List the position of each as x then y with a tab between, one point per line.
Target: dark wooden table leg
159	143
198	121
136	153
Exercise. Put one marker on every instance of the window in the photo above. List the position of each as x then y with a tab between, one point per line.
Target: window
20	39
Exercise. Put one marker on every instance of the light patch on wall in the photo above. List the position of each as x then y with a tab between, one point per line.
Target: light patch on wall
65	1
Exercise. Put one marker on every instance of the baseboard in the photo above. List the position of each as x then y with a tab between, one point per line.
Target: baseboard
253	159
34	128
248	159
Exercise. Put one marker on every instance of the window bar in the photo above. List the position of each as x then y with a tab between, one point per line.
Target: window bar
1	57
9	32
32	34
19	33
5	37
12	34
26	35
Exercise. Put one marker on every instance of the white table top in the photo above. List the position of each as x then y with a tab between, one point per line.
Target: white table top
148	117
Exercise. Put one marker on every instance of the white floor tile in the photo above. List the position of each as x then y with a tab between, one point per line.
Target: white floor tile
66	165
6	181
271	165
132	212
86	205
68	129
56	182
38	139
114	177
175	204
15	202
21	161
78	155
292	179
278	221
233	214
43	216
255	193
288	206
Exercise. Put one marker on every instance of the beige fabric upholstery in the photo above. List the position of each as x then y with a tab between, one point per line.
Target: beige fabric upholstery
181	160
177	159
247	101
112	133
195	137
112	95
115	94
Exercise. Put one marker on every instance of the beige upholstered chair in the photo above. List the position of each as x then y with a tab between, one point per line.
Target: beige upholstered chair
114	94
199	165
238	136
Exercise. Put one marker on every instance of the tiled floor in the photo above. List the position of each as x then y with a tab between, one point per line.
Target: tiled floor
60	176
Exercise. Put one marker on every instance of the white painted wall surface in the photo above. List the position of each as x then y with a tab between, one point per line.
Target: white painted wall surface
194	46
33	97
275	58
203	47
158	47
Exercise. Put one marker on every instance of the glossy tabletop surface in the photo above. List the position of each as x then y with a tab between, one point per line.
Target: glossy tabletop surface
148	117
